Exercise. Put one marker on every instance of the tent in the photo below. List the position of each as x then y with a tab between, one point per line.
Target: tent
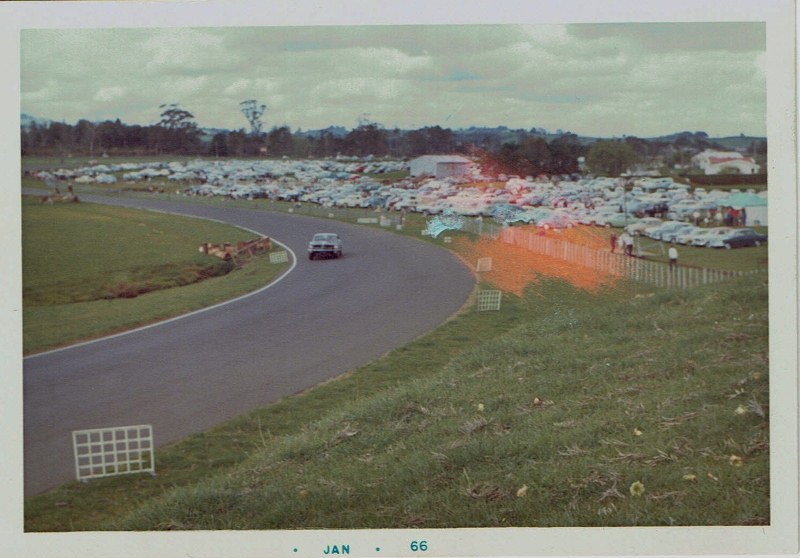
753	204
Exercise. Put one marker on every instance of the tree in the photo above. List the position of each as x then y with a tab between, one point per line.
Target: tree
253	111
280	142
610	157
564	153
180	132
84	135
369	139
219	145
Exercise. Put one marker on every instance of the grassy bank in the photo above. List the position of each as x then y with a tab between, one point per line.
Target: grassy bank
546	413
91	269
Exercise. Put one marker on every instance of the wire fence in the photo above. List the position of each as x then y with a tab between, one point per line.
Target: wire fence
619	265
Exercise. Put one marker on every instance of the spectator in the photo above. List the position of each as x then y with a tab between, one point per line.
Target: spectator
627	241
613	241
673	257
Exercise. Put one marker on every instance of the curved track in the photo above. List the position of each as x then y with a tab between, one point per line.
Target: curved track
186	375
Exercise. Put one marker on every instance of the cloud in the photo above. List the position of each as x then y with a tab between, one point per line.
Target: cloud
639	79
107	94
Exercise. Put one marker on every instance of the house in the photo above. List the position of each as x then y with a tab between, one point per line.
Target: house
439	166
720	162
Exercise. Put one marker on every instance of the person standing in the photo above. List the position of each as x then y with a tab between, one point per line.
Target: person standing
613	240
627	241
673	257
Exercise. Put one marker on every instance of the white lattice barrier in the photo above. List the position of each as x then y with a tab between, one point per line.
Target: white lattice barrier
489	300
484	264
279	257
106	452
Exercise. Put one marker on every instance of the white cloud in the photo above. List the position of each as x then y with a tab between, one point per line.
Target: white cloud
107	94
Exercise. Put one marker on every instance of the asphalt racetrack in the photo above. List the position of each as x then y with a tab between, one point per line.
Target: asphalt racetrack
183	376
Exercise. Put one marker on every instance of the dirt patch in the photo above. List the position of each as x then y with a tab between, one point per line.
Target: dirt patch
514	267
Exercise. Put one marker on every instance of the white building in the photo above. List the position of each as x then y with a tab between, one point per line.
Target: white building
715	162
439	166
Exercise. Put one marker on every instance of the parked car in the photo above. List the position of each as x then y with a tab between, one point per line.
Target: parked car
620	220
639	226
325	245
705	237
737	239
687	235
657	232
670	233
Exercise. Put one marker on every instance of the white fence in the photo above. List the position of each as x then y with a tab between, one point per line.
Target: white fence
616	264
106	452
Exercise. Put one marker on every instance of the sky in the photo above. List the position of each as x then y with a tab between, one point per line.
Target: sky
605	80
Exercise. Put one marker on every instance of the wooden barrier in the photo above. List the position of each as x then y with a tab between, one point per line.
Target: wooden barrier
226	251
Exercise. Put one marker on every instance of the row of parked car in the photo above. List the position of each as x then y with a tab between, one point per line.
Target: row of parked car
681	232
549	202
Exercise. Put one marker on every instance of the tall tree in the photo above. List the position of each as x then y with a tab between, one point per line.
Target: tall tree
252	112
180	130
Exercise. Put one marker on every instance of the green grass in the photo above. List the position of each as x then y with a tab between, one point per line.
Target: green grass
90	270
548	394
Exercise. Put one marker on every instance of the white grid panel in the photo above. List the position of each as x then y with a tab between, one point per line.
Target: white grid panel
448	239
278	257
488	300
105	452
484	264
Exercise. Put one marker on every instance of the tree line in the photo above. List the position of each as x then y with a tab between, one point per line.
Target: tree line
500	150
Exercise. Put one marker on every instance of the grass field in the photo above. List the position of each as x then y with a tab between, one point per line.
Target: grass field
546	413
91	269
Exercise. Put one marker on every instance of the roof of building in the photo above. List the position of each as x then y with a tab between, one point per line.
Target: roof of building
442	159
720	160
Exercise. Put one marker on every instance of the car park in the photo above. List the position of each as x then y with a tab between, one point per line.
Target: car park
738	238
325	245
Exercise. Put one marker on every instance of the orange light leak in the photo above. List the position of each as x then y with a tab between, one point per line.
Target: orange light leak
515	267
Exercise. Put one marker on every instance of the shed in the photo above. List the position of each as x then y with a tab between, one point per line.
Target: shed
439	166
